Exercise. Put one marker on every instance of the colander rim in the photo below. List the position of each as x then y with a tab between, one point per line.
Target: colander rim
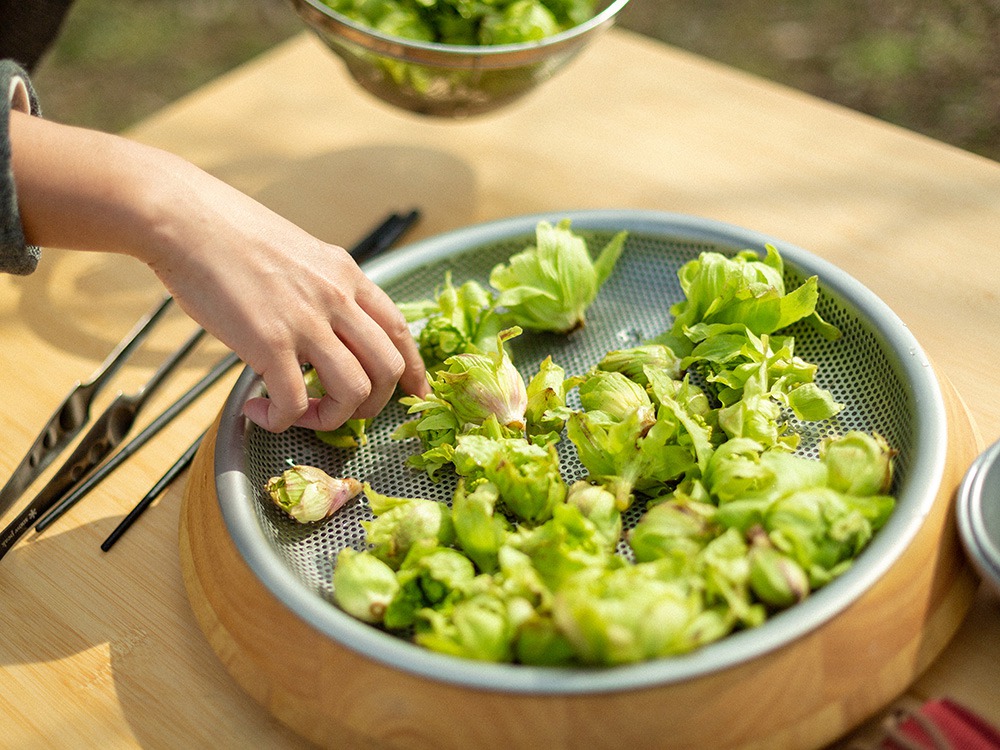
916	496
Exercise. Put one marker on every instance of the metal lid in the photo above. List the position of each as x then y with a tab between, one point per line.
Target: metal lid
979	514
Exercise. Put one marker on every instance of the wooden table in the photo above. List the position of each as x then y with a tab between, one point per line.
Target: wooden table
102	650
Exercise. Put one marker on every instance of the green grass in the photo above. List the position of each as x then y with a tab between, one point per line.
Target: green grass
932	66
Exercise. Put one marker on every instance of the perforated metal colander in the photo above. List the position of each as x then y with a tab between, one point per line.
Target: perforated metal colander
876	369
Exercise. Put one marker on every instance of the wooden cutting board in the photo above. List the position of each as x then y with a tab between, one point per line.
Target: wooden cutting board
804	695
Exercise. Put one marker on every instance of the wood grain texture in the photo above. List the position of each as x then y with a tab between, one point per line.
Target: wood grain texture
806	694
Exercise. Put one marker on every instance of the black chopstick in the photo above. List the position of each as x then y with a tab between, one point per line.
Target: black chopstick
161	484
168	414
384	236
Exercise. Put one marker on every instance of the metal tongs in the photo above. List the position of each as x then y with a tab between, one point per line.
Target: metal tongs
73	414
108	430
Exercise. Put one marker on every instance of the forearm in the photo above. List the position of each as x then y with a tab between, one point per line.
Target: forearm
263	286
85	190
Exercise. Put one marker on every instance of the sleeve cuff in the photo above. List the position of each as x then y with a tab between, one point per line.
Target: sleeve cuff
16	256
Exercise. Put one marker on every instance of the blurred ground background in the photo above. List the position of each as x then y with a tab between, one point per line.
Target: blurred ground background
929	65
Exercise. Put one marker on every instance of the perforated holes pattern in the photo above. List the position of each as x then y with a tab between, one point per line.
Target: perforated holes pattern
633	306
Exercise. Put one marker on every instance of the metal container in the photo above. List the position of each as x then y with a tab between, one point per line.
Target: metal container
877	369
448	80
978	511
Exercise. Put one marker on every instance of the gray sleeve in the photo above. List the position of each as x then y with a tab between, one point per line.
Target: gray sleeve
16	92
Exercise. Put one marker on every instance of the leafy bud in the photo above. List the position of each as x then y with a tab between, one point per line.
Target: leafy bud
478	386
401	523
775	578
632	362
550	285
858	463
363	585
615	395
600	507
308	494
546	403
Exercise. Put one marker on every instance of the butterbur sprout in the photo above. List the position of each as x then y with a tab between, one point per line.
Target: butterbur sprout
615	395
479	528
632	362
776	579
458	320
697	427
858	463
401	523
549	286
474	628
363	585
479	386
309	494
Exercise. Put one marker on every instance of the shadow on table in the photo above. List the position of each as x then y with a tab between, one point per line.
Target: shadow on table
84	303
339	196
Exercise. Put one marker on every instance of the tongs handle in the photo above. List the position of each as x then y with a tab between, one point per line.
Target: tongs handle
154	492
74	412
165	417
106	433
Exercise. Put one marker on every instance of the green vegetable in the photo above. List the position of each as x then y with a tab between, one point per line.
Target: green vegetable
478	627
308	494
363	585
775	578
470	394
526	475
598	506
430	577
478	386
550	285
745	290
674	530
458	320
566	544
614	395
467	22
351	434
633	362
545	414
627	451
736	525
521	21
402	523
479	529
631	614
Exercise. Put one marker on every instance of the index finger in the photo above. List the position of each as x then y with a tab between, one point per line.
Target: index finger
380	307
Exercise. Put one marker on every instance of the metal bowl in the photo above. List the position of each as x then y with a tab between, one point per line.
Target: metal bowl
448	80
877	369
978	511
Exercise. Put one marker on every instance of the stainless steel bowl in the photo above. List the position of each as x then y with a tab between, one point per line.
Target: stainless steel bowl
978	511
448	80
877	369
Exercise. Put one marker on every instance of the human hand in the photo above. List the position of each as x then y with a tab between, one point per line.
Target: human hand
274	294
281	298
